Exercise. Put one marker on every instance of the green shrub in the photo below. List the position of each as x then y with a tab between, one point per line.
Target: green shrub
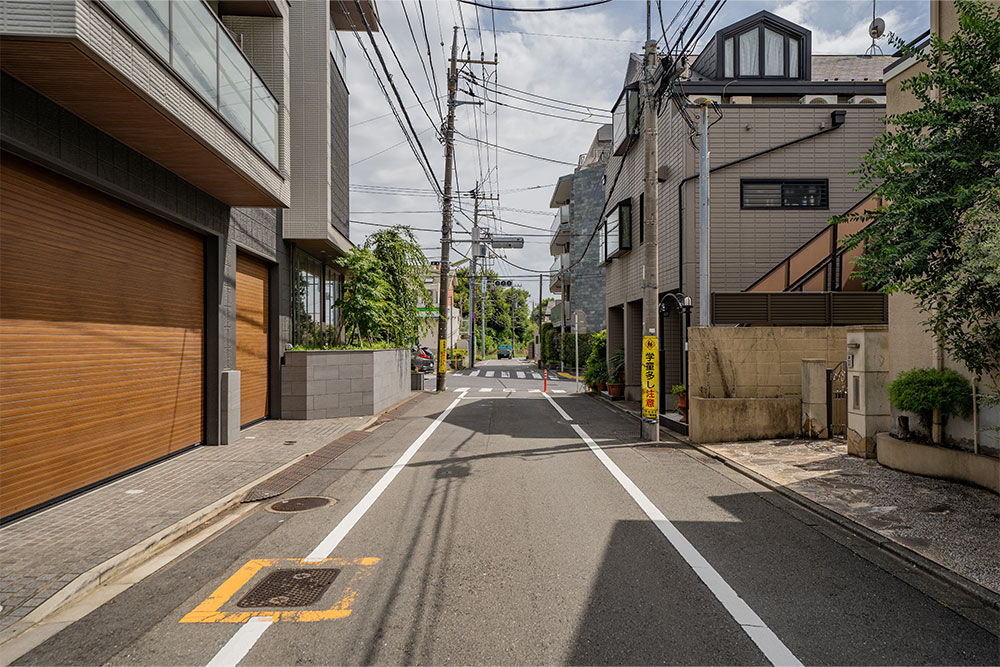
597	363
924	390
616	366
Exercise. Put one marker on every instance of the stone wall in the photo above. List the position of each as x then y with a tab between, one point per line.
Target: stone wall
586	276
732	419
322	384
758	362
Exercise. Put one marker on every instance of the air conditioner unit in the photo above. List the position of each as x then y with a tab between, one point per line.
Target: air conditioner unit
818	99
702	99
741	99
867	99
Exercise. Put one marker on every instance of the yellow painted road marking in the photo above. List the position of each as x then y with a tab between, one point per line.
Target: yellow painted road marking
209	610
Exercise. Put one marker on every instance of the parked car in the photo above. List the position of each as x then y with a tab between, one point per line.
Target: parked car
505	351
421	359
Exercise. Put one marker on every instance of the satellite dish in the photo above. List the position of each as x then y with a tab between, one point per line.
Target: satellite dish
877	28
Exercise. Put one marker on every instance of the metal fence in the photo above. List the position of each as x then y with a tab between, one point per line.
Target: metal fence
799	308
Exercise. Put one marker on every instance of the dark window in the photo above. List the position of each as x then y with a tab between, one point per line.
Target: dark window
784	194
642	219
618	230
625	119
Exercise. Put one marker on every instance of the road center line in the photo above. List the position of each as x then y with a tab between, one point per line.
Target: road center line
244	639
755	628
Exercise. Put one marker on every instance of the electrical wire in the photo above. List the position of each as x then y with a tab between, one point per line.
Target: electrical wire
586	37
517	152
592	3
428	75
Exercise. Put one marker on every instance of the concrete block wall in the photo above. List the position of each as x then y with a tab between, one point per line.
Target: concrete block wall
587	276
324	384
758	362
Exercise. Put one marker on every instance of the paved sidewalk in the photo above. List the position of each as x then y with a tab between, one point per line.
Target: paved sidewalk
951	524
44	553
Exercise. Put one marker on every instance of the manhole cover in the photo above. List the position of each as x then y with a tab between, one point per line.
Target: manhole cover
300	504
290	588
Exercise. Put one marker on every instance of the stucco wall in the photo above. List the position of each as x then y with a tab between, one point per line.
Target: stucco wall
758	362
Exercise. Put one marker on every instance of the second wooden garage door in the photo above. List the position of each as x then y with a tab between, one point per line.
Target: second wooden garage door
252	337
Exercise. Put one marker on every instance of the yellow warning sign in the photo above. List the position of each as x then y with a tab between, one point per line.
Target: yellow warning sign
650	378
442	355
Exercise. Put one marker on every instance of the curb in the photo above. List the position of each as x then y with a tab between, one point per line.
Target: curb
980	593
143	550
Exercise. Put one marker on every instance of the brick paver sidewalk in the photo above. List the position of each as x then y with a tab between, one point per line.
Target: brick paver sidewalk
44	552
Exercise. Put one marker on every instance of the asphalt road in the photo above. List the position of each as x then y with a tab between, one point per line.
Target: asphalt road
507	539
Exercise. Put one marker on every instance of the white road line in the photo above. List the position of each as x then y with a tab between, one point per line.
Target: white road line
237	648
504	374
461	389
474	373
489	374
520	375
244	639
536	376
755	628
486	389
558	391
535	391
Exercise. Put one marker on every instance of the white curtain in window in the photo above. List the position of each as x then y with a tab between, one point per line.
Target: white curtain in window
774	53
749	62
728	48
793	58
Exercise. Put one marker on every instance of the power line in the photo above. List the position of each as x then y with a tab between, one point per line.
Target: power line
517	152
429	76
384	150
564	103
592	3
586	37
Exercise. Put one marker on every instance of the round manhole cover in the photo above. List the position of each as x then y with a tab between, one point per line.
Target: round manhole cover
300	504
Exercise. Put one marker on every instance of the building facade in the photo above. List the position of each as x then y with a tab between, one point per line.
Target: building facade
786	127
576	273
147	157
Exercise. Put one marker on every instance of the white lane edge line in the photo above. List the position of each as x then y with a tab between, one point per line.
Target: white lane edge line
240	644
245	638
461	389
754	627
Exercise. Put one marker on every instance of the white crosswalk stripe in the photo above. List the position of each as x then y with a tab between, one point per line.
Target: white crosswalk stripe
520	375
486	389
534	391
461	389
474	373
558	391
504	374
536	376
489	374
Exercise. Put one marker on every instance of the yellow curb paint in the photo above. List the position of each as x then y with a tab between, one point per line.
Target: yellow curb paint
209	610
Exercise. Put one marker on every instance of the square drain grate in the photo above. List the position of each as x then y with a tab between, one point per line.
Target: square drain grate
290	588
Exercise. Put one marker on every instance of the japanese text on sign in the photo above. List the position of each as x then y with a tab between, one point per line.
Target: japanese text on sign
650	378
442	355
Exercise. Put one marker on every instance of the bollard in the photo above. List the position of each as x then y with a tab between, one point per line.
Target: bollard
545	381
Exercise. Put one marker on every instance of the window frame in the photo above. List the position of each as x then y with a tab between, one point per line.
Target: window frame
787	36
622	232
825	182
622	115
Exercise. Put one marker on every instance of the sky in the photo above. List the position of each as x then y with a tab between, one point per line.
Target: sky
575	56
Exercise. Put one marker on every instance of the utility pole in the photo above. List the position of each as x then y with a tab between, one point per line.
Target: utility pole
651	269
484	313
541	317
476	241
704	226
446	213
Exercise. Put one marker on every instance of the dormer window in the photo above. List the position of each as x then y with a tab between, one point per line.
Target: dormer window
763	46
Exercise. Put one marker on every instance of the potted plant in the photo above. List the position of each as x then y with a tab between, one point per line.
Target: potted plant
926	391
681	392
616	374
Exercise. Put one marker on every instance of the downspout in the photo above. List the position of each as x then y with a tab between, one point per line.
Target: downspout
837	118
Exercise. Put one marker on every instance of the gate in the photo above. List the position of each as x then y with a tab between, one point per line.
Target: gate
836	399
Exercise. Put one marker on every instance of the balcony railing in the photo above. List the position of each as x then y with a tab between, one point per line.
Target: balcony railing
189	37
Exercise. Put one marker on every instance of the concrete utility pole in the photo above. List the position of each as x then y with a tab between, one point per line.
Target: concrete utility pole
704	226
651	265
476	245
472	293
449	157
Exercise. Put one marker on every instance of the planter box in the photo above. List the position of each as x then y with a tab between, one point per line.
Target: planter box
321	384
732	419
941	462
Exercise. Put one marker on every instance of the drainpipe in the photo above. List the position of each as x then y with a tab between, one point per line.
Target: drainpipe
837	118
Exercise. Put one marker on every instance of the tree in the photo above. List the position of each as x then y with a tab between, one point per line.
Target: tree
938	170
404	268
384	290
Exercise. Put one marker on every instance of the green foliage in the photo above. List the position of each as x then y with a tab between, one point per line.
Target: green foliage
343	346
496	306
364	304
938	170
597	361
616	366
678	389
384	290
923	390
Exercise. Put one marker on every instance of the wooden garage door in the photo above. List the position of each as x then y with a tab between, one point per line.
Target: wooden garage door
251	337
101	336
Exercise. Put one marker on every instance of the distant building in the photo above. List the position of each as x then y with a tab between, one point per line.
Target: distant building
787	126
432	314
577	276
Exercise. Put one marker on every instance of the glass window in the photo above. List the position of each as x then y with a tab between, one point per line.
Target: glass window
611	234
265	121
632	97
784	194
234	85
728	52
793	58
749	57
194	41
333	289
619	128
625	225
774	53
602	255
307	307
149	19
